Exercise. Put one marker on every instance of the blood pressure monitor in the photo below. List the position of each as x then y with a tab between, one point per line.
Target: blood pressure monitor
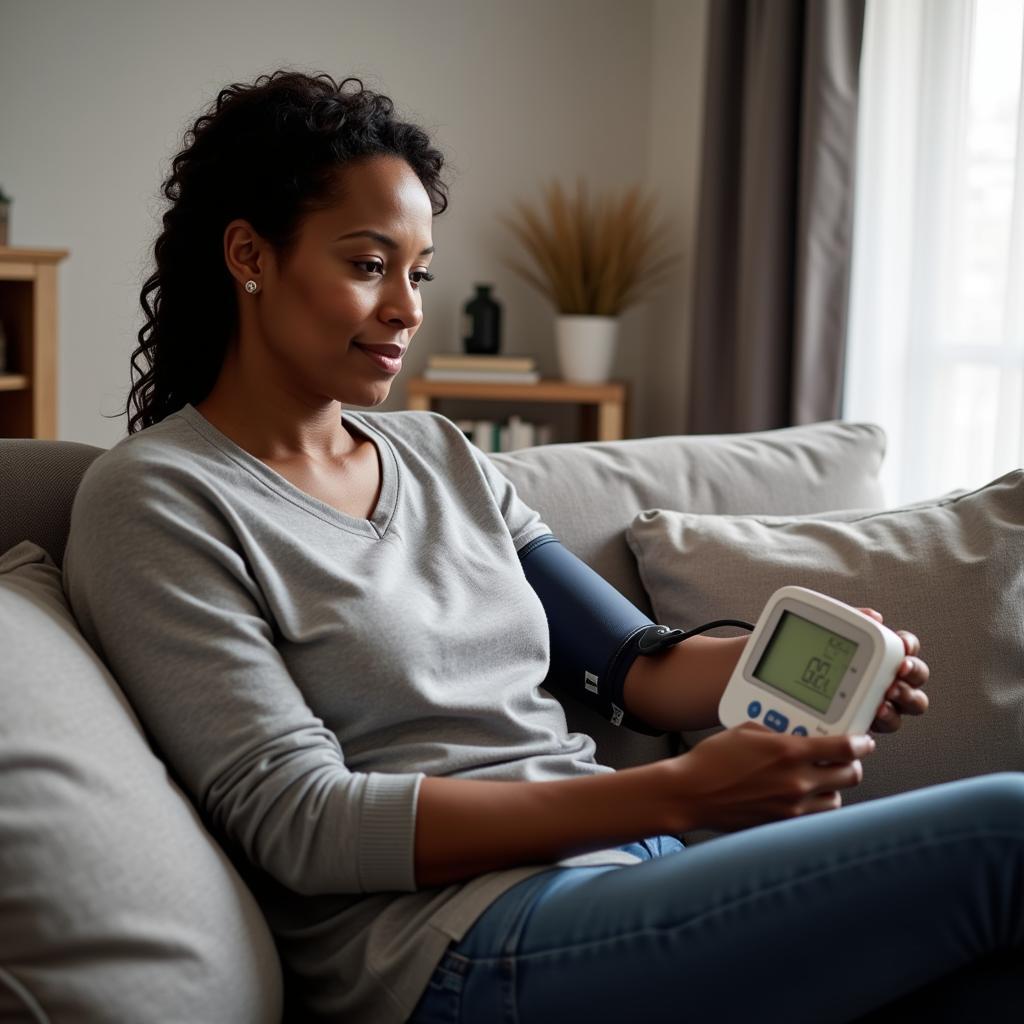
812	666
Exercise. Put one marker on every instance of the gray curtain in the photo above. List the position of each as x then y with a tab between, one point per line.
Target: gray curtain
776	213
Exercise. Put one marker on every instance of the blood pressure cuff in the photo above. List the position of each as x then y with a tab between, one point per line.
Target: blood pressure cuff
596	633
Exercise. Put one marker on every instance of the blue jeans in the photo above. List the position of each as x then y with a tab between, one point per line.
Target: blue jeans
915	903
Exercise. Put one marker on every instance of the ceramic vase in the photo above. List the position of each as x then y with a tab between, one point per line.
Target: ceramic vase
586	347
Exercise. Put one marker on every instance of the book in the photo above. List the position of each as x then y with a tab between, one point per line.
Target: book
484	376
483	435
499	364
520	434
490	436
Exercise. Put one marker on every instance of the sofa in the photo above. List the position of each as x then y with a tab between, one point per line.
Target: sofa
116	904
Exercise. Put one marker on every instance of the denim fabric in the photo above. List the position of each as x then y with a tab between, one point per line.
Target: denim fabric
819	919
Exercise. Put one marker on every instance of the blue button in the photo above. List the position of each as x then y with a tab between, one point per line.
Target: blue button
799	731
754	708
776	721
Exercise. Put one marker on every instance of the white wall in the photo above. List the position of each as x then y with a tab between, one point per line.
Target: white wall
95	97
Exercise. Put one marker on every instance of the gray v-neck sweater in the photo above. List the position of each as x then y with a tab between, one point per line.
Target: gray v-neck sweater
301	670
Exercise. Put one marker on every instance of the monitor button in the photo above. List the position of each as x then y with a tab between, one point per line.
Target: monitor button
799	731
776	721
754	708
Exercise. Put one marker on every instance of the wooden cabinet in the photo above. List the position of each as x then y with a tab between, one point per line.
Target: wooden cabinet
603	407
28	312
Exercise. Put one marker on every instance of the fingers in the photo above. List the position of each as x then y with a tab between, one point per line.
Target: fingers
906	699
833	749
910	642
820	789
839	776
871	613
822	792
887	718
914	671
821	802
840	749
904	696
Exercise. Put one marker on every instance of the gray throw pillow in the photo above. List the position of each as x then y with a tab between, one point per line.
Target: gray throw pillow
949	570
115	903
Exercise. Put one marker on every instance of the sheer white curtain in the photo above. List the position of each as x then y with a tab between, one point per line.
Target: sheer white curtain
935	348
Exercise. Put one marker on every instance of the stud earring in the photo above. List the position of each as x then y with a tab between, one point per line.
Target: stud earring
251	287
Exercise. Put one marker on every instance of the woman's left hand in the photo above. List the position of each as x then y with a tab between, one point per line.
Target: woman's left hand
904	696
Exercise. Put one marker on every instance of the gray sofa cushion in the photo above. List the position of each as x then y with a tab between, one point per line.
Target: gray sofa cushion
589	493
38	481
950	570
115	902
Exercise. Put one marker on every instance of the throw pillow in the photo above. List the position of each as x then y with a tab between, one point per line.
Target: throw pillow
949	570
115	903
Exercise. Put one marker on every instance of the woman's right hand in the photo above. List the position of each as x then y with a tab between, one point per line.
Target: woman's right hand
749	775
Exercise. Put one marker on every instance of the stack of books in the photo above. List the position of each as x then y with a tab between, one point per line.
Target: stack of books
506	437
483	369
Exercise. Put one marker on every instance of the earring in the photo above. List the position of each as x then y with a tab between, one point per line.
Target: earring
251	287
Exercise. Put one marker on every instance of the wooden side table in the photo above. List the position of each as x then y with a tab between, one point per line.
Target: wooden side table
603	407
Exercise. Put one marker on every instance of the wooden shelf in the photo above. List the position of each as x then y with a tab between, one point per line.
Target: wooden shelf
603	406
28	310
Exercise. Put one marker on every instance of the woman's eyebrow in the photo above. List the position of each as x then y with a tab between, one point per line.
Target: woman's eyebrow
383	239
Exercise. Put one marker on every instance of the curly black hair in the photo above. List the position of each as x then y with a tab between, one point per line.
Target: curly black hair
268	152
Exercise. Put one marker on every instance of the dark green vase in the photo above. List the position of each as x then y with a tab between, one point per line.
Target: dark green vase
483	323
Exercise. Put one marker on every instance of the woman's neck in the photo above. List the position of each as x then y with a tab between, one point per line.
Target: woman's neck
276	427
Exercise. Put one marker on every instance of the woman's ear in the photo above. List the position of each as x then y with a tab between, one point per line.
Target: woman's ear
244	252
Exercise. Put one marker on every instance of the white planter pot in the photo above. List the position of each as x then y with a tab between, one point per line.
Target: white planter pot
586	347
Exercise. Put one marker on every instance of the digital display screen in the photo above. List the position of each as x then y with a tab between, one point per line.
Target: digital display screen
805	661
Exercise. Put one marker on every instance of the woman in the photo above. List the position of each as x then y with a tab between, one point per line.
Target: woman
321	619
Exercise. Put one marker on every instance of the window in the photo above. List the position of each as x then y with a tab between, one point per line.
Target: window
935	349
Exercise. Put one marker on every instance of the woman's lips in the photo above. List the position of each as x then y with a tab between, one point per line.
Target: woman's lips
386	357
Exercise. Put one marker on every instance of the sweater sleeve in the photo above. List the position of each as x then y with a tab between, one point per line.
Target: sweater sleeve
524	523
160	587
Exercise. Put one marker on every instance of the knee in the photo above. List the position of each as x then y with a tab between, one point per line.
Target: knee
995	800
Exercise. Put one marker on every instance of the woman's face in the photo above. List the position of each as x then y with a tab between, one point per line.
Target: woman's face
338	315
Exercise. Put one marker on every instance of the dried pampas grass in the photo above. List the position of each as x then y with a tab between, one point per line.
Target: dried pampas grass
593	258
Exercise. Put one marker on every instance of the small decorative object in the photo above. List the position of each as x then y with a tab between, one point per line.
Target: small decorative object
592	261
483	323
5	213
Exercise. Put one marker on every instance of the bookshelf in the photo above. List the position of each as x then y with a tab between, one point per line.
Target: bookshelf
28	310
603	407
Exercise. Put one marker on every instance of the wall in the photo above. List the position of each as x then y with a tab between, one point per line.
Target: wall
95	97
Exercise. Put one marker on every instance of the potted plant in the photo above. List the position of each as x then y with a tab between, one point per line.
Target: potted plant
592	261
5	206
